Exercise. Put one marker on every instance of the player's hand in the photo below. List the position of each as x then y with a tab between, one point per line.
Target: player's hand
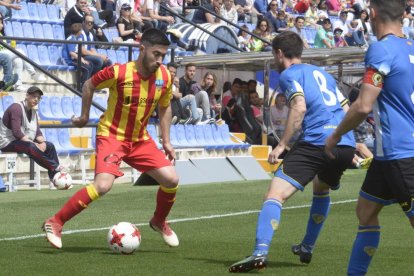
41	146
79	121
170	152
330	143
274	155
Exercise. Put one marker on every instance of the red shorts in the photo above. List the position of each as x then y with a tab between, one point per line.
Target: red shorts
143	156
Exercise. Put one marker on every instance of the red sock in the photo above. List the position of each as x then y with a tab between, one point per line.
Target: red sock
165	201
79	201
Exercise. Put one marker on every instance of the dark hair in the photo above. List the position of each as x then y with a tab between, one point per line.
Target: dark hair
155	37
172	64
298	18
290	43
189	65
252	81
243	29
389	11
237	81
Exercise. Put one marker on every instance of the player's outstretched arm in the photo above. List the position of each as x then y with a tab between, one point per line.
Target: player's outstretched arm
87	95
355	115
165	123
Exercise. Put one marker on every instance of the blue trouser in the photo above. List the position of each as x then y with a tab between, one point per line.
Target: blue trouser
47	159
6	63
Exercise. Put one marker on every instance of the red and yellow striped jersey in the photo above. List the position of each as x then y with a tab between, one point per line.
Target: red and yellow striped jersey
132	100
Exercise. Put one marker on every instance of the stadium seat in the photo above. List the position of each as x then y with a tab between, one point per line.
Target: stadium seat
8	28
37	30
190	136
218	138
181	139
121	57
51	135
93	137
45	113
135	53
112	55
77	105
102	102
101	51
22	14
43	52
173	137
55	55
152	131
43	14
208	136
17	29
67	107
1	110
33	54
48	31
53	13
27	30
7	100
22	47
33	12
58	32
225	134
56	109
64	140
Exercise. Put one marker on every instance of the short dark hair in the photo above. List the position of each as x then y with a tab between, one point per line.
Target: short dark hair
252	81
155	37
389	11
189	65
299	18
237	81
326	20
290	43
172	64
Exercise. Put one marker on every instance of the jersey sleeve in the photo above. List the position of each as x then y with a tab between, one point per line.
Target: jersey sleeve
165	98
104	78
289	86
377	64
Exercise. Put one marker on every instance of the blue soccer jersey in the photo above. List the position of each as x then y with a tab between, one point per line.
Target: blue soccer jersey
323	102
392	60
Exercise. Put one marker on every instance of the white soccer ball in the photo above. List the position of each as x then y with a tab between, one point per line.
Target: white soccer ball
62	181
124	238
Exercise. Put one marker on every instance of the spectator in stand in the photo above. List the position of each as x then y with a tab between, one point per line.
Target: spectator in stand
364	22
187	99
339	40
6	6
281	23
272	14
324	36
264	31
75	15
311	15
278	117
129	29
102	17
209	85
70	55
18	65
355	31
246	11
90	52
257	107
322	16
160	22
200	16
298	28
9	79
261	7
178	114
244	38
137	10
228	11
20	133
408	18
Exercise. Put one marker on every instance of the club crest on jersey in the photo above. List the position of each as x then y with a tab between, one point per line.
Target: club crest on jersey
159	83
377	79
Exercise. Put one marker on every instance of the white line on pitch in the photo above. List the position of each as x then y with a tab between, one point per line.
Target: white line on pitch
170	221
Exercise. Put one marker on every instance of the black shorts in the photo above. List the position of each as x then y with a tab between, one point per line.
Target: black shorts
304	161
390	182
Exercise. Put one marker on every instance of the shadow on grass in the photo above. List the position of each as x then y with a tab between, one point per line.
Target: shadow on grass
227	263
71	249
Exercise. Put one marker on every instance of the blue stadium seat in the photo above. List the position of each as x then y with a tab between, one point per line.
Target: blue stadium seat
17	29
190	136
112	55
152	131
55	55
208	136
37	30
67	107
77	105
225	134
22	47
53	13
7	100
51	135
64	140
33	54
23	14
27	30
181	139
102	102
199	134
218	138
43	52
101	51
56	109
47	31
8	28
58	32
173	137
1	110
45	113
33	12
43	14
121	57
135	53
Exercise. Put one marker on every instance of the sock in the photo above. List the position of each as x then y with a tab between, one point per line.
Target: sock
318	213
79	201
268	222
365	245
165	201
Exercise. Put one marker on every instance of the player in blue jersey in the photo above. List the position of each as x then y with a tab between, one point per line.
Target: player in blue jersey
317	106
388	90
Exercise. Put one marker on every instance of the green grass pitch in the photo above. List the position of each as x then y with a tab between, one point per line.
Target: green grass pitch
212	222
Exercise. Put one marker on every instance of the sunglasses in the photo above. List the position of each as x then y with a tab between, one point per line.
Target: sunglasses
127	9
89	22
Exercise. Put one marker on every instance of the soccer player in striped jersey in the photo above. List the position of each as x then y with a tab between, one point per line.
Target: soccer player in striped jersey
388	90
135	90
316	106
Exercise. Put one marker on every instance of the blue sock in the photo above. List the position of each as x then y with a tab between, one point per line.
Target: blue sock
268	222
318	213
365	245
